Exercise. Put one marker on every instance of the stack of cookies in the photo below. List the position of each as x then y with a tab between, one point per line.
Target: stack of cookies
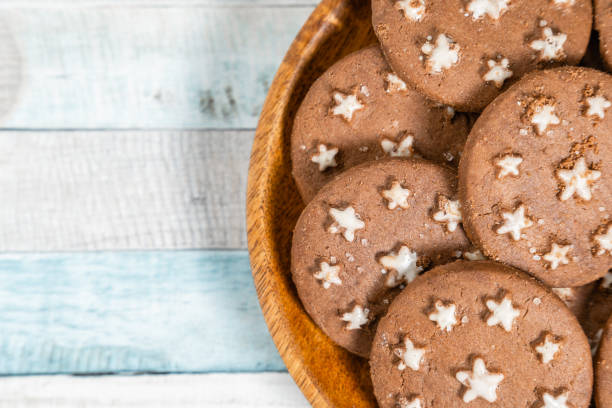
458	226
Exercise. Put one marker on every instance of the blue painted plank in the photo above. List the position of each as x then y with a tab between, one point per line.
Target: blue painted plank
141	67
161	311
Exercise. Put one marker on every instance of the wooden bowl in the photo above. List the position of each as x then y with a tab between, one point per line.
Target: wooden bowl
327	375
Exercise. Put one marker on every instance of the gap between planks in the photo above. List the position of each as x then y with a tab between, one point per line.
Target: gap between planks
185	391
121	190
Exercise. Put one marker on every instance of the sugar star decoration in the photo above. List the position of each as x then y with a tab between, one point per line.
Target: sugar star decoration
326	157
514	223
449	213
498	72
404	263
577	180
565	294
443	55
547	348
346	105
502	313
413	9
550	401
543	117
396	196
604	242
413	403
328	274
564	3
493	8
409	355
557	255
508	165
356	318
479	383
550	46
475	255
401	148
597	106
346	222
394	84
444	316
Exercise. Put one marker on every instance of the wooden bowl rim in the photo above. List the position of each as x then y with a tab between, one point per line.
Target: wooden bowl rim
319	26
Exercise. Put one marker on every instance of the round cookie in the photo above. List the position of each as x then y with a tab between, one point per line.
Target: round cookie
603	25
463	52
365	235
359	111
479	334
603	369
535	178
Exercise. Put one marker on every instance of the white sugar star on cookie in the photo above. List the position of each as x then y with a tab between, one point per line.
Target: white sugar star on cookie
604	241
493	8
543	117
547	348
508	165
394	84
404	263
396	196
413	9
328	274
577	180
597	106
413	403
326	157
409	355
514	223
479	382
402	148
502	313
498	72
346	222
444	316
449	213
443	55
356	318
557	255
346	105
550	46
550	401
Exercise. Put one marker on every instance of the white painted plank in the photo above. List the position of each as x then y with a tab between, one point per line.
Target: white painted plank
210	390
153	311
66	191
128	67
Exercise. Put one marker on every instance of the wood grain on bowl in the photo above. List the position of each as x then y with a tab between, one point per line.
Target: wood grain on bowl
327	375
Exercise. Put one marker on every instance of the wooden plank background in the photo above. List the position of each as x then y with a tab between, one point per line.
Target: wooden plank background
125	131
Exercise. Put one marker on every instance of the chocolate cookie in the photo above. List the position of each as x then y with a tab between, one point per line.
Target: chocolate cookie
535	178
482	334
598	311
365	235
603	369
359	111
463	52
603	25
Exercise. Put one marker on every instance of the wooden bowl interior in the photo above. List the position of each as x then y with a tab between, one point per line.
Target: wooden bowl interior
327	375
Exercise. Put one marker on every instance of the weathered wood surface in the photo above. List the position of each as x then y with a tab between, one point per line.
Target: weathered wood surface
97	312
65	191
130	66
185	391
